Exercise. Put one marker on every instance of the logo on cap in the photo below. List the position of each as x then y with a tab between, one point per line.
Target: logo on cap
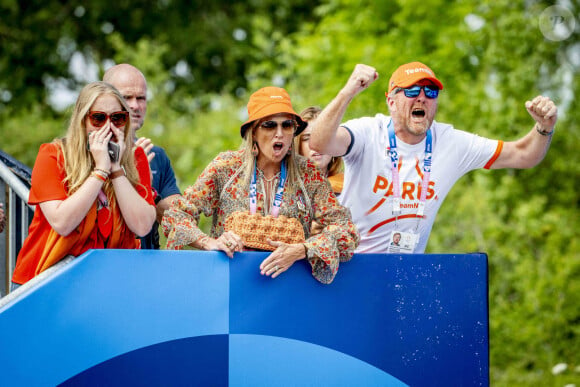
418	70
409	73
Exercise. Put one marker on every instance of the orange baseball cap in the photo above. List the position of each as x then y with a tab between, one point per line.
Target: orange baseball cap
268	101
411	73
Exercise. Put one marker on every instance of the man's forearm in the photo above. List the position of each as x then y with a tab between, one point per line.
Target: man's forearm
324	137
527	152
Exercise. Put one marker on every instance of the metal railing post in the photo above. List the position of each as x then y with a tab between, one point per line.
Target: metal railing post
17	212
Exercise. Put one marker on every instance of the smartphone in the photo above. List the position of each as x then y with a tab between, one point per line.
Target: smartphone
113	149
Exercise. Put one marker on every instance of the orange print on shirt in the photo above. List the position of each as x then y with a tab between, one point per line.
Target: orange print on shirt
410	190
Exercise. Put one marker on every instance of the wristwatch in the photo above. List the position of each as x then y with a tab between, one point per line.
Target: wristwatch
118	173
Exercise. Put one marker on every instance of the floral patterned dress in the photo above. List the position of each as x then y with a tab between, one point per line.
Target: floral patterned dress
223	188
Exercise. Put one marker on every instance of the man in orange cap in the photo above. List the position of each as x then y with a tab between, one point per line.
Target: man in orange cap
399	169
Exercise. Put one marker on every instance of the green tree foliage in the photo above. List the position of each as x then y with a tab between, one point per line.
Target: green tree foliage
492	57
209	40
202	60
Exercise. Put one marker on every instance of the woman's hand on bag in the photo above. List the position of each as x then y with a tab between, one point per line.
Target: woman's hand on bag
282	258
229	242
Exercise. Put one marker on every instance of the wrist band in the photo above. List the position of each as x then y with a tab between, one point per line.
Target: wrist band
117	173
543	132
99	176
106	173
101	173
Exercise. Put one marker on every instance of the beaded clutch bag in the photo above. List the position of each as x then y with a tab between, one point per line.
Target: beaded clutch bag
255	229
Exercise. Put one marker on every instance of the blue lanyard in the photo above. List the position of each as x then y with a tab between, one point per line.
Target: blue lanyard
395	170
279	191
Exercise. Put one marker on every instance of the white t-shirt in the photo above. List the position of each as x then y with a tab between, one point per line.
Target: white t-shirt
367	190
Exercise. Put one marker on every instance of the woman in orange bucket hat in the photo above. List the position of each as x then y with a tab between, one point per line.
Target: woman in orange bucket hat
265	196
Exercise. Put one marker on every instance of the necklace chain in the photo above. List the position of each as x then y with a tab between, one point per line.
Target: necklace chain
263	176
268	186
270	179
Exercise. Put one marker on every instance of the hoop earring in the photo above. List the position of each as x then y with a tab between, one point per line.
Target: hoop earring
255	150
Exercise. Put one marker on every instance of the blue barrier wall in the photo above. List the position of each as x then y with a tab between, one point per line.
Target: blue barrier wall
121	317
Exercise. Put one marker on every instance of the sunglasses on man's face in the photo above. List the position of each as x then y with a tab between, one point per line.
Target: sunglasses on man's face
99	119
431	92
287	125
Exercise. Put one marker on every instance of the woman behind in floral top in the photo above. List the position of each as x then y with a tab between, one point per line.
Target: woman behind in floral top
266	180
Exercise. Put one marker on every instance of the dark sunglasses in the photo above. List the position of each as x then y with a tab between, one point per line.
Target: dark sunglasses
431	92
287	125
99	119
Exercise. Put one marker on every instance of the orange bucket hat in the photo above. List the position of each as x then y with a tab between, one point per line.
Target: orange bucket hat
268	101
411	73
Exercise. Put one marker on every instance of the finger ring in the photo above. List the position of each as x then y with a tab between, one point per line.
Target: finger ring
229	244
276	268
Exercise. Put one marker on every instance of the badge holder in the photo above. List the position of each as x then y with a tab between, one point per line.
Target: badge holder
403	242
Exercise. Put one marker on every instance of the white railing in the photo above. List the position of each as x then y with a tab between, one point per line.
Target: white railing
18	215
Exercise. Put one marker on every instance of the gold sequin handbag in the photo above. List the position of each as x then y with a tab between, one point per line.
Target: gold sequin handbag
256	229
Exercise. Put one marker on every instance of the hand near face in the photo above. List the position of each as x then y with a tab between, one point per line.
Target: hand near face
119	138
105	113
98	146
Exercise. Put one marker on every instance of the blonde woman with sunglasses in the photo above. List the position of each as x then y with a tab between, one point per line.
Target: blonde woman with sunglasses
91	188
265	197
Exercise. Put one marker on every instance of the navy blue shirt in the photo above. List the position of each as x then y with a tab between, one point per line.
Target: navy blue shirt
165	184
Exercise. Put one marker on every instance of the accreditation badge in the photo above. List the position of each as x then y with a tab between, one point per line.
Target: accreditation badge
403	242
